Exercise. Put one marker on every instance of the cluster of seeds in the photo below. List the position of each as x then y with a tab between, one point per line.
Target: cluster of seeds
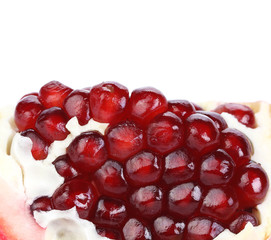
163	170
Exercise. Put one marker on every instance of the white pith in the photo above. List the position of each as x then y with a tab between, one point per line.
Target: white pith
12	172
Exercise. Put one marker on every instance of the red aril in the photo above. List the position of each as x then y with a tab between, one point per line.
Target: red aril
76	104
243	113
182	108
87	151
53	94
110	213
108	101
40	146
216	168
179	167
51	124
237	145
126	136
240	220
184	199
76	193
135	230
144	168
202	134
145	104
252	184
65	167
165	133
165	228
219	121
41	204
110	180
202	228
109	233
148	201
27	111
220	203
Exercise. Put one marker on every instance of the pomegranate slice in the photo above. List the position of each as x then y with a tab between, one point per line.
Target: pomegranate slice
162	169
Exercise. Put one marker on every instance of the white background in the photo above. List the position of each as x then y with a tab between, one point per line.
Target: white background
197	50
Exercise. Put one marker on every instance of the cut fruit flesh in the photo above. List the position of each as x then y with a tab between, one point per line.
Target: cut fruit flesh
137	188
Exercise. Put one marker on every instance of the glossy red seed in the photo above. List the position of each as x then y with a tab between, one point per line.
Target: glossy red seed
76	104
166	228
216	168
197	107
108	101
76	193
252	184
65	168
219	121
53	94
87	151
240	220
41	204
136	230
165	133
220	203
202	134
109	233
184	199
145	104
110	213
40	146
148	201
124	140
143	169
110	180
182	108
201	228
179	167
243	113
237	145
51	124
27	111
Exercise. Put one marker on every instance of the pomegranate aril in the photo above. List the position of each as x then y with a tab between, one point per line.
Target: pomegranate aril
165	133
237	145
124	140
40	146
136	230
51	124
110	180
76	104
110	213
240	221
41	204
216	168
108	101
109	233
145	168
87	151
76	193
27	111
219	121
53	94
179	167
197	107
65	168
184	199
243	113
182	108
252	184
202	228
202	134
220	203
148	201
145	104
165	228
